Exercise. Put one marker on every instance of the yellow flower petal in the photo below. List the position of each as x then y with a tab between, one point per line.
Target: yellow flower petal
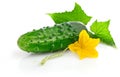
91	43
83	37
85	46
74	47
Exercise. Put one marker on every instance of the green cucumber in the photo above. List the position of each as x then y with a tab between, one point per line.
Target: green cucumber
50	39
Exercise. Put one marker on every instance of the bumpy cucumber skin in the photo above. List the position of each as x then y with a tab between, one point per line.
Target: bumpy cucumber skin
50	39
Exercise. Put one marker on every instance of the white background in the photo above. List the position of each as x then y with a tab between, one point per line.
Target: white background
20	16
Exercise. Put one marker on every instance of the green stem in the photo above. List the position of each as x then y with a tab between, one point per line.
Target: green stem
44	60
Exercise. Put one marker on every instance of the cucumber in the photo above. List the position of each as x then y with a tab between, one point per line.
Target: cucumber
50	39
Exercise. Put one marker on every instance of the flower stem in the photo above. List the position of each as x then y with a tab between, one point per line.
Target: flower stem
58	54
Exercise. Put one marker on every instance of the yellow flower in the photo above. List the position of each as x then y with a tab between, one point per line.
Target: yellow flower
85	46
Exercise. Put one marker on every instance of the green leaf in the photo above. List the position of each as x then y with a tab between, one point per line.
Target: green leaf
77	14
100	30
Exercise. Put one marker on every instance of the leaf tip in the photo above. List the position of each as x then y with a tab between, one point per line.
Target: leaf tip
108	21
76	3
49	14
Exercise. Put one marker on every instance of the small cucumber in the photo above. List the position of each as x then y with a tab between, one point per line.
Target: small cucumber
50	39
